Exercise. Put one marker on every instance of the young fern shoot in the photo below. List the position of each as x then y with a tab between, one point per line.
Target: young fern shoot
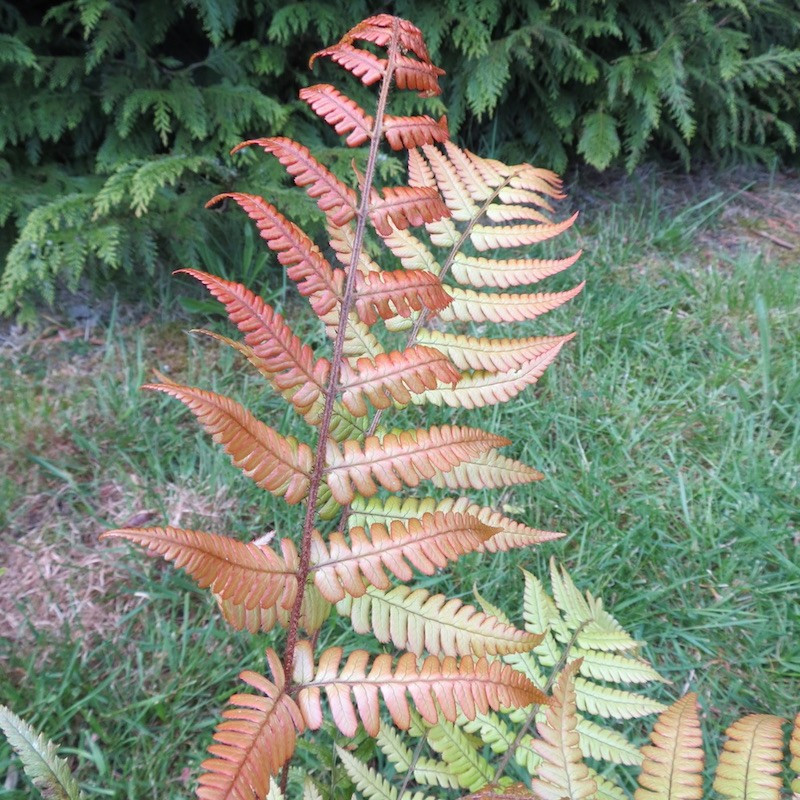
360	545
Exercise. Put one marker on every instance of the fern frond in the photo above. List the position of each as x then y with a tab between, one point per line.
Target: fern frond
605	744
615	667
405	133
295	372
483	272
379	29
455	193
427	543
491	355
314	610
411	251
255	739
673	764
403	458
340	112
336	200
561	772
469	685
749	766
392	377
470	306
417	621
481	388
419	76
279	464
486	471
366	66
252	575
389	294
370	783
302	258
607	701
491	237
405	206
40	760
510	533
470	769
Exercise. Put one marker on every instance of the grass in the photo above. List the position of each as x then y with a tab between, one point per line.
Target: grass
668	432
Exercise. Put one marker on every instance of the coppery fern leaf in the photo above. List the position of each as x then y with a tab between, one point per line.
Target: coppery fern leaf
398	293
509	535
427	543
418	621
673	764
247	574
561	772
749	766
255	739
379	30
302	258
394	377
279	464
294	370
469	685
405	133
340	112
402	458
404	206
366	66
334	198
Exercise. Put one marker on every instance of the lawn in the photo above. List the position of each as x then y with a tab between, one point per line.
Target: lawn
669	433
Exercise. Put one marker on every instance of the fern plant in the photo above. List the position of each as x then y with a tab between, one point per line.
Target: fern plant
464	206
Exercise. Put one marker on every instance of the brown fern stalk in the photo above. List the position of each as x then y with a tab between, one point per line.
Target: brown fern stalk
332	389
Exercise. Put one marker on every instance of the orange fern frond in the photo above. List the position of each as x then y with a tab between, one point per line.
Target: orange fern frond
277	350
418	621
673	764
489	388
340	112
405	133
561	772
334	198
501	274
403	458
366	66
419	76
427	543
248	574
469	686
470	306
302	258
490	237
510	534
378	30
749	766
489	470
404	206
398	293
491	355
279	464
255	739
393	377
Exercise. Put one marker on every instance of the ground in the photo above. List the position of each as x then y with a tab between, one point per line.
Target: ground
669	434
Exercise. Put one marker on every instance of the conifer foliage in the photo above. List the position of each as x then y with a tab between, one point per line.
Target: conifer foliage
454	203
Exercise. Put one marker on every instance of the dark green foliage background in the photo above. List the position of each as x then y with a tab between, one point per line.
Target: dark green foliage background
117	116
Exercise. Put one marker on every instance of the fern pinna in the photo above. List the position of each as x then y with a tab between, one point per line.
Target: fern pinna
356	540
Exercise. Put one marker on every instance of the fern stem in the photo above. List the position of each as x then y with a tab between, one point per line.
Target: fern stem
410	771
338	353
507	756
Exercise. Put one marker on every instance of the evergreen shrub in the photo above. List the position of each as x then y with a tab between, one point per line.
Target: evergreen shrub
115	113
